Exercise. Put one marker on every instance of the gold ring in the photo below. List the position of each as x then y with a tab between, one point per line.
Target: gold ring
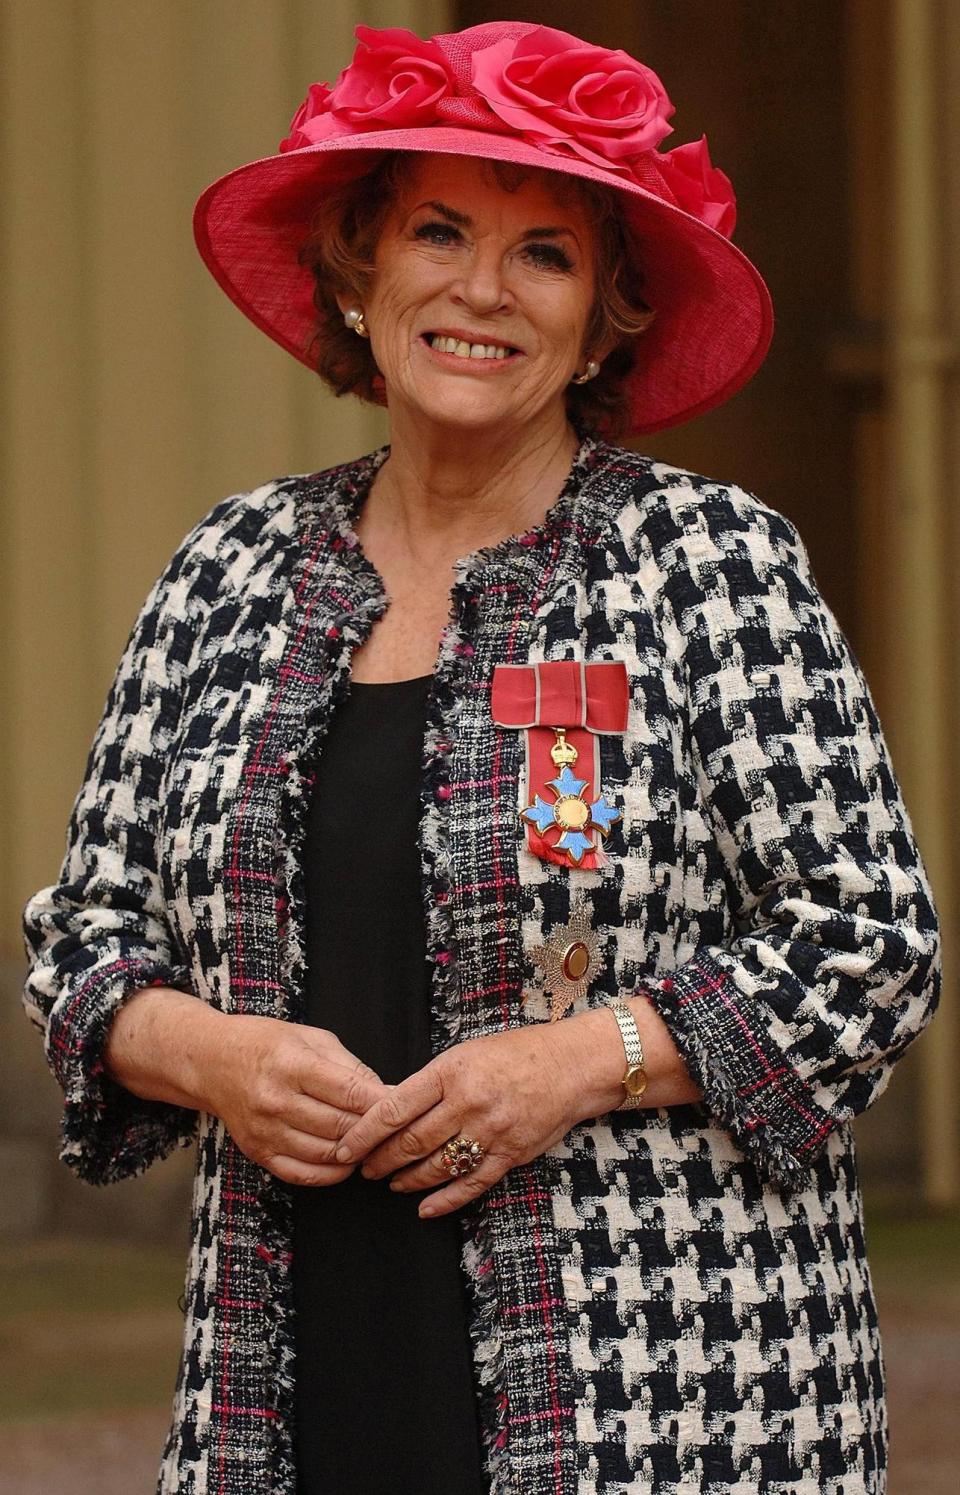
461	1155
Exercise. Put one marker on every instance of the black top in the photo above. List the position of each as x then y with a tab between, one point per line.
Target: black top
385	1395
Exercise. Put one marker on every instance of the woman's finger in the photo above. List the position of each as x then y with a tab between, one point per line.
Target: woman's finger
310	1175
305	1147
305	1114
264	1145
413	1143
398	1108
465	1189
425	1174
350	1087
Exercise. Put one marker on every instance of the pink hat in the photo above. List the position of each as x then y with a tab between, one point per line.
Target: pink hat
510	91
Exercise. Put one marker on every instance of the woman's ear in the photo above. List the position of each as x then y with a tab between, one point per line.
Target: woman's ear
599	353
596	354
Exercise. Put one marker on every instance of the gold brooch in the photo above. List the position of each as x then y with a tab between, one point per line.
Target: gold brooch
569	959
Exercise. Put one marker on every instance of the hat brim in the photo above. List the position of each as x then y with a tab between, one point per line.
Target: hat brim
714	315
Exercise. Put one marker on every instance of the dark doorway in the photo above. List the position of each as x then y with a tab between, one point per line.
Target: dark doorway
766	84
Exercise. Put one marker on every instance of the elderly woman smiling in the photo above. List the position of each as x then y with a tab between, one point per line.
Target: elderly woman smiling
489	856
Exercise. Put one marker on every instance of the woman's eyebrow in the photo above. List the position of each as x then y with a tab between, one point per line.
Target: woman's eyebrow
463	221
460	219
547	233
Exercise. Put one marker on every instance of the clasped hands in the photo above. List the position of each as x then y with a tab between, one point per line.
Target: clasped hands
296	1101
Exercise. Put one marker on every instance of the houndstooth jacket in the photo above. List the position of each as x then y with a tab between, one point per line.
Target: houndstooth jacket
667	1301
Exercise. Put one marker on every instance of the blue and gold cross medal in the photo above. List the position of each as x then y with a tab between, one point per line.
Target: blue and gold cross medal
571	812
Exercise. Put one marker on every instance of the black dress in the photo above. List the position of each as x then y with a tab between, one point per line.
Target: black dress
384	1375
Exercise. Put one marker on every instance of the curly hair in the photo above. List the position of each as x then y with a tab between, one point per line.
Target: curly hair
340	247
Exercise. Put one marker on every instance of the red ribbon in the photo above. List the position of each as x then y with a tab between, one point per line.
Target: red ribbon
585	700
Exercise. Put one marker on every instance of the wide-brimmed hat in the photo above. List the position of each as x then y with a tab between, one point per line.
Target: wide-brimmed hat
538	97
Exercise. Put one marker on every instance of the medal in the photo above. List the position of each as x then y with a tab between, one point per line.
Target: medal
564	707
570	811
569	960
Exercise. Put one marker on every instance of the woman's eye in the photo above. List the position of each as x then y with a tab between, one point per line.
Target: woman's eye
437	233
548	256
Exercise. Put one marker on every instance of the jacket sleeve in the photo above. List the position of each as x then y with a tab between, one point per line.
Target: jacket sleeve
793	1027
101	932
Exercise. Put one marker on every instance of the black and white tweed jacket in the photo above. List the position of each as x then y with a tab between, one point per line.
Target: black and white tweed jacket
668	1301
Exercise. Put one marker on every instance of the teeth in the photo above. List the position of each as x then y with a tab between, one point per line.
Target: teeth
464	349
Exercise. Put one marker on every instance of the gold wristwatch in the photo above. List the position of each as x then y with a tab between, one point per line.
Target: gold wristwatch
635	1079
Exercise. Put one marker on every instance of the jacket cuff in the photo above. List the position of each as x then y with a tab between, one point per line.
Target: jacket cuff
108	1133
748	1086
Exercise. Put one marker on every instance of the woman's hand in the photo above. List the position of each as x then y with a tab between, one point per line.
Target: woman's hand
287	1093
515	1092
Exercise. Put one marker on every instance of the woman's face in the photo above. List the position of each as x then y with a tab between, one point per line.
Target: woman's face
481	297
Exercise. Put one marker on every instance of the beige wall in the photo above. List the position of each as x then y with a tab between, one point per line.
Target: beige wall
134	394
902	357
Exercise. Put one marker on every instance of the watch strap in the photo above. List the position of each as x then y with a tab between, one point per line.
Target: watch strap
633	1050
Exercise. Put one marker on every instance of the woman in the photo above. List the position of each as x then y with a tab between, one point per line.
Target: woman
515	809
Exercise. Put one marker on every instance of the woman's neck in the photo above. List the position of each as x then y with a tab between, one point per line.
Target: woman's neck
445	493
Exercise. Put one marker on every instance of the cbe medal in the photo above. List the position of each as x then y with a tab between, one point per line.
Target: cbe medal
573	814
564	707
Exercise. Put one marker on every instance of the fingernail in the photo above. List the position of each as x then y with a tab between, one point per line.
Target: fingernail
427	1209
343	1154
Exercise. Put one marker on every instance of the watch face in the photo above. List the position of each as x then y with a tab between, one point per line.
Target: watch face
635	1080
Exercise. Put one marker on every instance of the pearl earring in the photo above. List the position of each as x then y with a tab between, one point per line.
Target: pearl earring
354	320
590	372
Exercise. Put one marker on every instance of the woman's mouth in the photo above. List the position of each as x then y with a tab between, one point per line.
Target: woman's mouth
460	348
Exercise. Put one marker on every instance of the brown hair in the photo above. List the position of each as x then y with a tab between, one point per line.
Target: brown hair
340	249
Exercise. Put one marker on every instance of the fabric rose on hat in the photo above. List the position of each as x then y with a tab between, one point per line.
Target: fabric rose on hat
308	124
699	187
574	98
393	82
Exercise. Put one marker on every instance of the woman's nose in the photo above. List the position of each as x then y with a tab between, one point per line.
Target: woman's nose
483	286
